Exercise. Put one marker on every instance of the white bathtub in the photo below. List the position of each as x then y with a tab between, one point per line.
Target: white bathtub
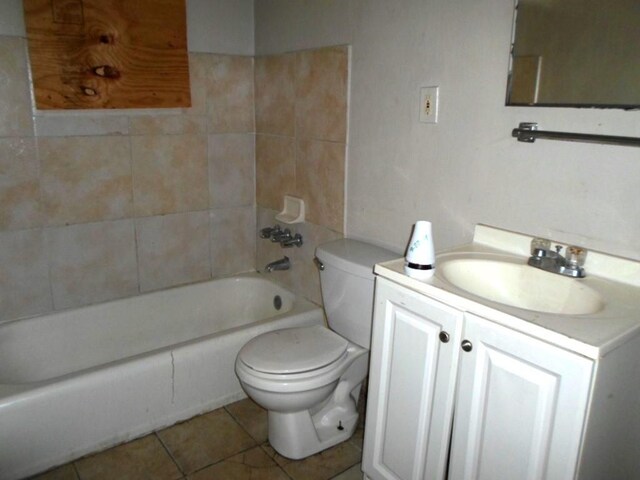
82	380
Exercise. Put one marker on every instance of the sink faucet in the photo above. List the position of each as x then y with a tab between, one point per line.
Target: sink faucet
282	264
544	258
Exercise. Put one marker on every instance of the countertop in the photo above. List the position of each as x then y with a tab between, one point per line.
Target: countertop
592	335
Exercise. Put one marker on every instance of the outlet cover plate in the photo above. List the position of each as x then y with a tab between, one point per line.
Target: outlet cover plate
429	104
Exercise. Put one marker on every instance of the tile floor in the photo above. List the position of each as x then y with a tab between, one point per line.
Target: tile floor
229	443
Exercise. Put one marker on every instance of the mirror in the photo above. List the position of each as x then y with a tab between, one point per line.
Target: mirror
580	53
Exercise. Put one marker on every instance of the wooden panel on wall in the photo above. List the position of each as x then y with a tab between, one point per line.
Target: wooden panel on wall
108	53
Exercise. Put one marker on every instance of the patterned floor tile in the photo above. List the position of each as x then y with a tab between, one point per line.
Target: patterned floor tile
253	464
252	417
142	458
354	473
65	472
321	466
205	440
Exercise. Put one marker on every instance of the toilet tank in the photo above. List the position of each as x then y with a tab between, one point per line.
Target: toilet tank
347	283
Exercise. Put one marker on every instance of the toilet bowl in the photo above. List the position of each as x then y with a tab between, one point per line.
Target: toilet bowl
309	378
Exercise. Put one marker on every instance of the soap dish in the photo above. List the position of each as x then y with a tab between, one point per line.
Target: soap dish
293	211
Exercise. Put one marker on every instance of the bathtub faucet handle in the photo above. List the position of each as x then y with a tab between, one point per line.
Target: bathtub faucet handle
281	235
296	240
269	232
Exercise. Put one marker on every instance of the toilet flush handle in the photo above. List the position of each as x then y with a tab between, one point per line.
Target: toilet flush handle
318	263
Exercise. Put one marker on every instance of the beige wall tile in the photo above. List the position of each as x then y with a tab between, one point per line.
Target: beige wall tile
19	187
320	181
15	100
232	170
173	250
275	170
85	179
230	94
168	124
92	263
72	124
233	245
275	94
24	274
169	174
321	94
199	64
306	277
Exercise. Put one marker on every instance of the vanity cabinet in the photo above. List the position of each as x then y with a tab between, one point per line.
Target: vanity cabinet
455	396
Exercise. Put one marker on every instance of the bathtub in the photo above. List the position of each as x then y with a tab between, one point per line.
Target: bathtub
82	380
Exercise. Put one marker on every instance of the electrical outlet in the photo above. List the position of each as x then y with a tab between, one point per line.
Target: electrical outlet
429	104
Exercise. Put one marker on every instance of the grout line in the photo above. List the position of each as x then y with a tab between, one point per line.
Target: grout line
173	459
43	227
274	460
134	217
343	471
235	419
222	460
75	469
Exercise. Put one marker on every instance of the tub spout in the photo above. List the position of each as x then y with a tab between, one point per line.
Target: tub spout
282	264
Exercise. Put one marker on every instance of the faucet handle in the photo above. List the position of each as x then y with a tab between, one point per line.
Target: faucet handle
267	232
291	241
576	256
540	246
280	235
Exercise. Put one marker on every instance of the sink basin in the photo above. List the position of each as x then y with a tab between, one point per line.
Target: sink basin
519	285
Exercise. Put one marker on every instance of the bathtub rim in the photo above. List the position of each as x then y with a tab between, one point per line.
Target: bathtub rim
249	274
8	390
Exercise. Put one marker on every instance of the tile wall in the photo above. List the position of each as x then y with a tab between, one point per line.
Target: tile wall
301	131
100	205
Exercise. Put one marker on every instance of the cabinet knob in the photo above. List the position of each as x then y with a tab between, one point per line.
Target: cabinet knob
466	345
444	337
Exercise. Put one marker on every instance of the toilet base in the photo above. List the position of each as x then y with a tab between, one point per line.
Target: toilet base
298	435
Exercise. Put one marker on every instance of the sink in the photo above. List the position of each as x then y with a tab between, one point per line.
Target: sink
514	283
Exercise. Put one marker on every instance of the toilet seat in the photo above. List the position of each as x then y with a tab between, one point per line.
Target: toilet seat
293	350
298	382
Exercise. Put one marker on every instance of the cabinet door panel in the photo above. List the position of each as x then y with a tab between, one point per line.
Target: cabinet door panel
411	386
520	407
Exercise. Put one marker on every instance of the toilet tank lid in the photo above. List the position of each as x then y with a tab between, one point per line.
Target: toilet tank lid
353	256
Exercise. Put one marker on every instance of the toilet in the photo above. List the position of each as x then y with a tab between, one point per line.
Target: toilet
309	378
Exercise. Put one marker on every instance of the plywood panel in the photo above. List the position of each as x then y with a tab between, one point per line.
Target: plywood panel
108	53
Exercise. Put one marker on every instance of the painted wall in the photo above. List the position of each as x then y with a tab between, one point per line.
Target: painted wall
97	205
466	169
220	26
288	25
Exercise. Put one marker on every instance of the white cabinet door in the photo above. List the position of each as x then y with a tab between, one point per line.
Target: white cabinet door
520	407
411	385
